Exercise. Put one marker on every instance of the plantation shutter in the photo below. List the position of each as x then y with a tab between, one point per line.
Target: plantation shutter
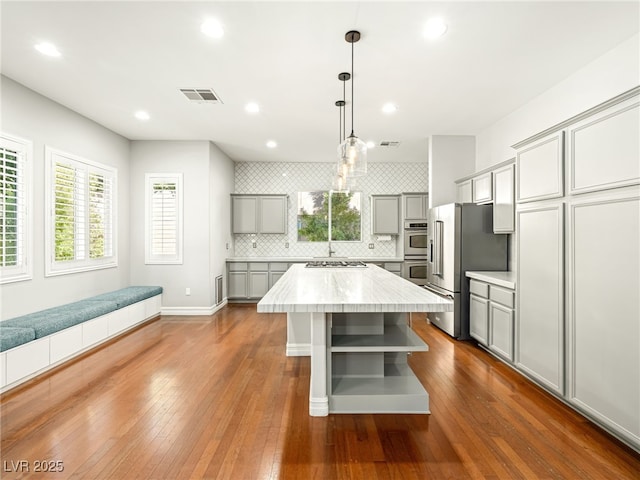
82	203
164	219
13	209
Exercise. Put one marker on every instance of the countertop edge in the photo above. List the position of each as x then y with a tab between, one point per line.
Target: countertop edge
506	279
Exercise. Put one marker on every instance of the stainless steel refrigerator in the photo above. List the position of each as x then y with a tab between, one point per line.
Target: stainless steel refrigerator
461	238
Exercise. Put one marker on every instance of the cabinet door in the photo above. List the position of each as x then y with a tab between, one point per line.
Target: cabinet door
540	169
237	285
479	318
483	188
258	284
540	296
504	200
274	277
273	214
464	192
604	149
501	330
386	215
604	330
244	214
415	207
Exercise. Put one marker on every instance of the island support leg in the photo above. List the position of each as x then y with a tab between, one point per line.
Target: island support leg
318	399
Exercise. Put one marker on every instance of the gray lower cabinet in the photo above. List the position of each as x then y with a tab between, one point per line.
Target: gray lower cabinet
540	294
491	317
276	271
252	280
258	284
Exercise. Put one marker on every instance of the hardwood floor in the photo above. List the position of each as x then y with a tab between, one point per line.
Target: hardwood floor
215	397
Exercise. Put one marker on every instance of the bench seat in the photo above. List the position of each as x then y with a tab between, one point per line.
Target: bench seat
11	337
128	296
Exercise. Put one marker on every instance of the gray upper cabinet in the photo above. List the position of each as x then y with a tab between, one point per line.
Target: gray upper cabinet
604	149
464	192
483	188
244	214
504	199
385	214
540	169
273	214
416	206
259	213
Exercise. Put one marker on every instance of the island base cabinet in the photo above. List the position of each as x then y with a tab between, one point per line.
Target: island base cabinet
367	369
604	359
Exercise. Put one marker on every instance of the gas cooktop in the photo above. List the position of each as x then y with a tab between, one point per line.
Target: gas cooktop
336	264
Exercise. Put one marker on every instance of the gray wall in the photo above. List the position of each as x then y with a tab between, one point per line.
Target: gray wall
207	182
31	116
450	157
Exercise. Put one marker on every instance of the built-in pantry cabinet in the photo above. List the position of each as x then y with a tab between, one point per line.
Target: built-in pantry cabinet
578	263
259	213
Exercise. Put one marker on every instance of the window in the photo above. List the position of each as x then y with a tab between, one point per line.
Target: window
163	233
15	199
81	227
326	215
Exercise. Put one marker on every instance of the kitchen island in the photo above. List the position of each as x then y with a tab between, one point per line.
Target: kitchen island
360	335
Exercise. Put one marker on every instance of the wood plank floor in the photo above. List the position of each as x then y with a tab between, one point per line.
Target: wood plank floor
215	397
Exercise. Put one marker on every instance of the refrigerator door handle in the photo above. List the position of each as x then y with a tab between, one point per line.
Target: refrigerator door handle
438	292
438	235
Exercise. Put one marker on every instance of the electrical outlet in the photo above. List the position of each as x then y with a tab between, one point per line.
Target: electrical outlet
371	246
187	291
255	245
227	245
286	245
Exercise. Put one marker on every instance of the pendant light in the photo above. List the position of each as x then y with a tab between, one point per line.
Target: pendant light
342	181
352	151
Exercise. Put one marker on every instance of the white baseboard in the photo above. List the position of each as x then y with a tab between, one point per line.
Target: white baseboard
298	349
193	310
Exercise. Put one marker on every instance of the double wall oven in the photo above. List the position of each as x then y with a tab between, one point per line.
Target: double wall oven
415	251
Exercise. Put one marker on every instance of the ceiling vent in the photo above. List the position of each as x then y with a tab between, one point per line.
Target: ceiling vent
201	95
387	143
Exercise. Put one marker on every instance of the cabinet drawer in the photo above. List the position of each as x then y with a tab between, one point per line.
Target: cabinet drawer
479	288
502	295
238	267
278	267
259	267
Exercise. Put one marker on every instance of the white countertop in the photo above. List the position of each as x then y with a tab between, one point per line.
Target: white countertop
502	279
310	259
370	289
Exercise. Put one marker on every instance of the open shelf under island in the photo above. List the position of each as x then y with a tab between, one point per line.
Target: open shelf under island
354	323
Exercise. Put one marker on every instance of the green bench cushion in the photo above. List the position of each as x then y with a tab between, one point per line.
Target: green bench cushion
15	336
52	320
129	295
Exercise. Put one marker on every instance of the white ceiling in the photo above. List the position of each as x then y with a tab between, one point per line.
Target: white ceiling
119	57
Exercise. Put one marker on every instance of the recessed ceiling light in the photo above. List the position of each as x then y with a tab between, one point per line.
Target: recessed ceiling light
48	49
142	115
434	28
252	107
272	144
212	28
371	144
389	107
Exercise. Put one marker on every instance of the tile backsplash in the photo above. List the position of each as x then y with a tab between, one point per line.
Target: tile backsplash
291	178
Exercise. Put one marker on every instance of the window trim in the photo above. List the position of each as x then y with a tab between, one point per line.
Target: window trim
178	258
25	271
53	267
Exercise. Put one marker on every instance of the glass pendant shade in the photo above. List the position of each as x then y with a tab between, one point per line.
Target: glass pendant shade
352	156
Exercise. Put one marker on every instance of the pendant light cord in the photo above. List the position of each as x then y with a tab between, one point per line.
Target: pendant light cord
352	81
344	111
